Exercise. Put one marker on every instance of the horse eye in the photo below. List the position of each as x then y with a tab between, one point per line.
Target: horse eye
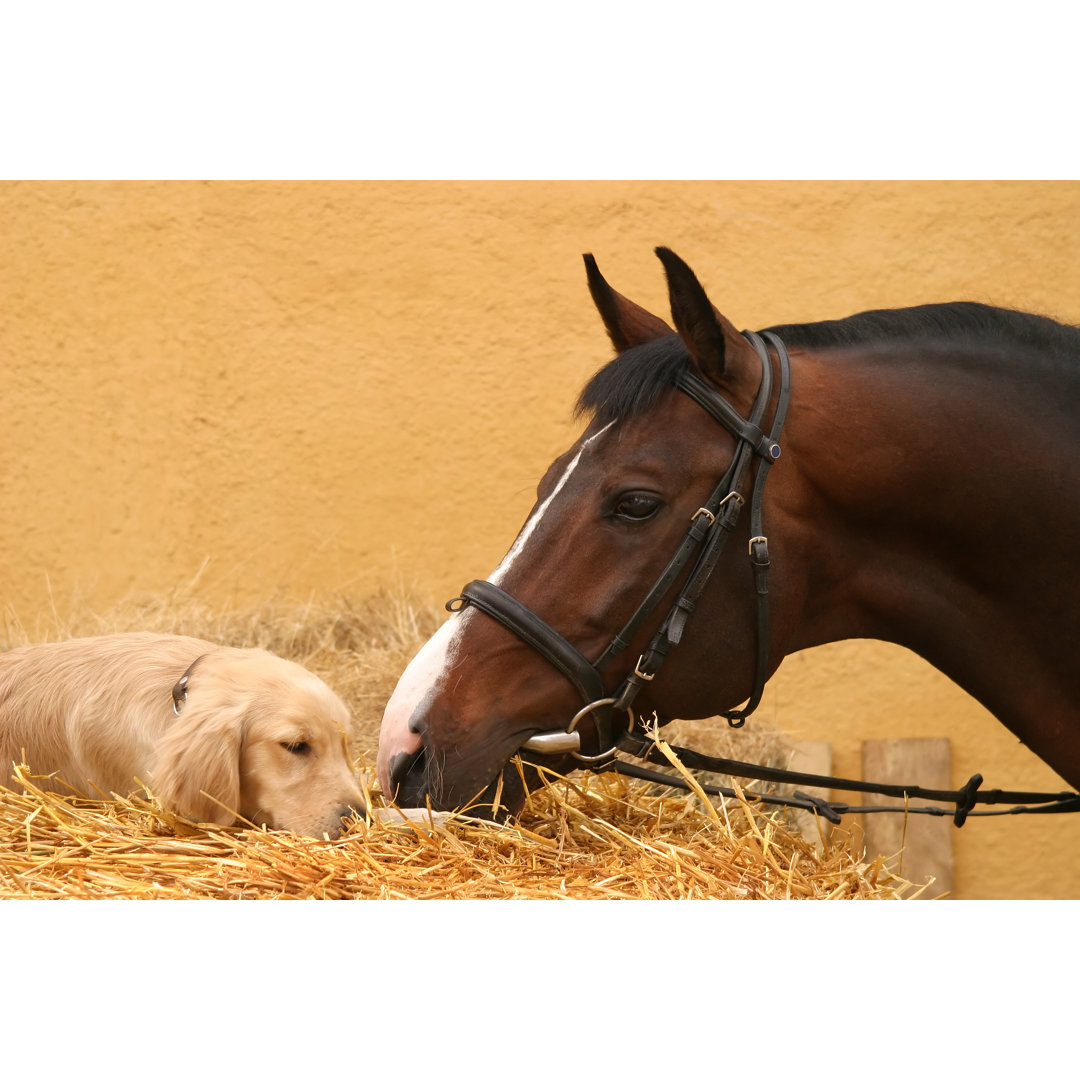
297	747
637	506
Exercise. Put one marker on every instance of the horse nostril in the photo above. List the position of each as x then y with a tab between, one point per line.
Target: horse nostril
402	764
407	773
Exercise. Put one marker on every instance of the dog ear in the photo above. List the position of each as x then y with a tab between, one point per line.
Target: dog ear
196	769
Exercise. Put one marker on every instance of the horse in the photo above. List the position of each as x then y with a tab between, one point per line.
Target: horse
923	470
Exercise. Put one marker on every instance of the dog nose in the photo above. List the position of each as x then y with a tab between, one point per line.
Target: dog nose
346	813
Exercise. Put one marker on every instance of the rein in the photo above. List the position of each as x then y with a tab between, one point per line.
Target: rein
964	799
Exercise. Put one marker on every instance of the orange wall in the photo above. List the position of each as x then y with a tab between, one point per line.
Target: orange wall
322	386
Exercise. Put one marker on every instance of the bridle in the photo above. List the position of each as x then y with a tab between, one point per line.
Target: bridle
709	528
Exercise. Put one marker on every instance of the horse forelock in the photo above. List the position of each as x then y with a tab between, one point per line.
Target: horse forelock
634	381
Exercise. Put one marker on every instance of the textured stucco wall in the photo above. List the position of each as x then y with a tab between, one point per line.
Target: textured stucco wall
346	385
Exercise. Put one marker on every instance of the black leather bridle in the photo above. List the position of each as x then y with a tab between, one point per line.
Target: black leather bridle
706	535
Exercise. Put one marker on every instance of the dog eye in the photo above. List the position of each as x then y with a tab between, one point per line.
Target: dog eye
297	747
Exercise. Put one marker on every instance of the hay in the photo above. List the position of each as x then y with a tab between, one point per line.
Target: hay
583	837
600	838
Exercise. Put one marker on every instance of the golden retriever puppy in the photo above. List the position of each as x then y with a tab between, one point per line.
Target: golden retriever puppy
216	733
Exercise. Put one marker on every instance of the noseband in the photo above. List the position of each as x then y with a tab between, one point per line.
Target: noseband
709	529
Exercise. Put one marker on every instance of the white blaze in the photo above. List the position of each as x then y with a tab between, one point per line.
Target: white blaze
417	680
530	526
438	655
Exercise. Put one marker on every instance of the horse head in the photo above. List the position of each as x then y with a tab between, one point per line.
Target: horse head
563	625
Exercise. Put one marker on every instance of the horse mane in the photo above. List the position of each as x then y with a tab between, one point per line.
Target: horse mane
634	381
963	321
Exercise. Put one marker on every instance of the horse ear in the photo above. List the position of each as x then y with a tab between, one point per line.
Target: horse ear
627	324
705	332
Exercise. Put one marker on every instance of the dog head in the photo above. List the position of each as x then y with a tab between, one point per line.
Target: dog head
259	738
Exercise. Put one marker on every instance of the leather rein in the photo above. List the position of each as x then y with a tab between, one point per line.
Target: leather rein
709	528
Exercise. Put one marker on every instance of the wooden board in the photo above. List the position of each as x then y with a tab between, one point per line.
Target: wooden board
812	757
923	845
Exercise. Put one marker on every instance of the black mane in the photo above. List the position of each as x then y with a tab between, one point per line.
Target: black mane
633	382
961	321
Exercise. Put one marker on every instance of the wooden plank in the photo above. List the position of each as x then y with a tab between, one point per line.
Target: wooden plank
812	757
922	845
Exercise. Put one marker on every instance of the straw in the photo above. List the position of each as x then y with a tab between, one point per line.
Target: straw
581	837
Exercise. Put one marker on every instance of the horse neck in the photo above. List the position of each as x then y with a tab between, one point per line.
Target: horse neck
912	494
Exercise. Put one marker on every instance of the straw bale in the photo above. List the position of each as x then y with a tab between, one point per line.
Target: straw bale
585	836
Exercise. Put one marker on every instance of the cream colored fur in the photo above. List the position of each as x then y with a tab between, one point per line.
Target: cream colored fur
257	737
